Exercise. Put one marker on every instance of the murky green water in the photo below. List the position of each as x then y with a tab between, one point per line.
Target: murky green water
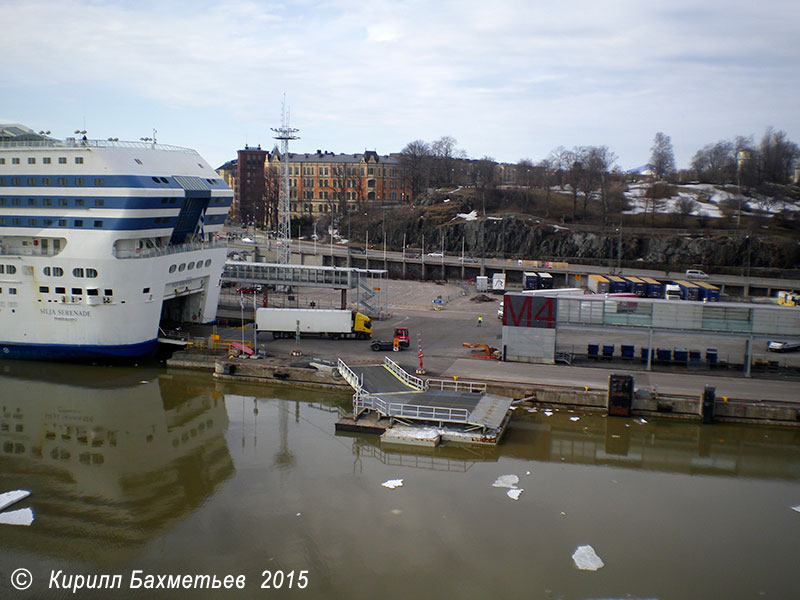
174	473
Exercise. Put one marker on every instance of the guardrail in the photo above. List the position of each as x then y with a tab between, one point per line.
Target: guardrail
350	377
410	411
457	385
405	377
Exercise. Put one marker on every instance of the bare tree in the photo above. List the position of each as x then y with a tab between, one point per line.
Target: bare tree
778	154
547	171
685	206
715	163
444	154
662	155
415	160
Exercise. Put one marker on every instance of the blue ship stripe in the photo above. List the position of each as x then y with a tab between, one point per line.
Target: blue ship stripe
108	181
75	352
65	201
98	222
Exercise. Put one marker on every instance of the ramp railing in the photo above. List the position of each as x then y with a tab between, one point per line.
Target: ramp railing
456	385
405	377
410	411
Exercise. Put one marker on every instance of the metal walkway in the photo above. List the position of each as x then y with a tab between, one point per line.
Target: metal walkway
392	392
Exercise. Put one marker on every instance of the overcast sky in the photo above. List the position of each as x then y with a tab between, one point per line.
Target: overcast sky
507	79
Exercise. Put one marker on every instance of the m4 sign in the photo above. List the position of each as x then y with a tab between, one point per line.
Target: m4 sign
529	311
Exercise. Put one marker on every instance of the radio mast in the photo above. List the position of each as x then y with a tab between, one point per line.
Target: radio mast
284	134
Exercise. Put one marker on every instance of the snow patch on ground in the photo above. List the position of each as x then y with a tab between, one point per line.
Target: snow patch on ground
470	216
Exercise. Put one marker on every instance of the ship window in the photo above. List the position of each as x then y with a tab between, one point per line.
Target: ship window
31	160
78	160
43	289
58	271
15	202
11	269
78	222
172	200
77	272
32	222
62	160
172	268
31	180
164	180
164	200
46	160
12	291
99	181
15	181
98	223
191	266
77	291
46	271
62	181
14	161
182	267
2	221
92	292
208	262
78	201
15	221
61	202
146	291
79	181
108	292
2	201
31	201
91	273
2	162
62	222
46	181
155	179
99	202
48	222
138	162
61	290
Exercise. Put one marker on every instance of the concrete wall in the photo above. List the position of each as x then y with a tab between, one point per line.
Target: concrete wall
529	344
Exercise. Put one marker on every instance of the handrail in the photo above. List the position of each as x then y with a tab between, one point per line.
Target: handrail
405	377
457	385
349	376
410	411
177	249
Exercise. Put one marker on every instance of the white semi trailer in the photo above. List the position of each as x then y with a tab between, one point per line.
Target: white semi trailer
286	322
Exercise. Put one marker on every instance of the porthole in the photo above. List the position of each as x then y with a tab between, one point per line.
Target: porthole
208	262
172	268
182	267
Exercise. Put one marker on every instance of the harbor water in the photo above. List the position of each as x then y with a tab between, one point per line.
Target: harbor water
140	472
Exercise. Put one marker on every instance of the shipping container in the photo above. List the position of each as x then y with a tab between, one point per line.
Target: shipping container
545	281
689	291
655	289
616	284
637	286
530	280
708	292
288	322
499	283
598	284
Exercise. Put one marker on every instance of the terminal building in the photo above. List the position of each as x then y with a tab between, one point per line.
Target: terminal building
531	324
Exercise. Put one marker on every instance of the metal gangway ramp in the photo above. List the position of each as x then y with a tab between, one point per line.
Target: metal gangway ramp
390	391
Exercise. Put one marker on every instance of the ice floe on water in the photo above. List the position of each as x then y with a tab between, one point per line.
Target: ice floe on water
574	418
506	481
23	516
393	483
586	558
548	412
797	508
510	482
9	498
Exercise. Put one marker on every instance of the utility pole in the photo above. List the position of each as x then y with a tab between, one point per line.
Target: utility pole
285	134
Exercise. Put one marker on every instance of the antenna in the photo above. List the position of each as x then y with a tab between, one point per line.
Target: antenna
284	134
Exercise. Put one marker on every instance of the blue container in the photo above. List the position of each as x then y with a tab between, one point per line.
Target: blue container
694	356
592	351
711	356
643	354
664	354
627	351
680	355
608	350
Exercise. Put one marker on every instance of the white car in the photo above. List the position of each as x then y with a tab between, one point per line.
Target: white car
783	346
695	274
435	254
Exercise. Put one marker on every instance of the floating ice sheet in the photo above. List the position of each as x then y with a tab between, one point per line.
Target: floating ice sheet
586	558
797	508
23	516
506	481
574	418
514	493
393	483
9	498
548	412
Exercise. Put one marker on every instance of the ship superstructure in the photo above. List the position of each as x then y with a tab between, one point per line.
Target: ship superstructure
100	240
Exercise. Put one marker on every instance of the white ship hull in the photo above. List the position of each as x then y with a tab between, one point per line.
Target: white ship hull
96	251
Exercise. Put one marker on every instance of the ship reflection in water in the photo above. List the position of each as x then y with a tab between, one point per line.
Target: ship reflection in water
114	458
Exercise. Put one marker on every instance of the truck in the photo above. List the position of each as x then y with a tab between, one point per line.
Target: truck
499	283
481	284
636	285
598	284
335	324
689	291
545	281
530	280
672	291
708	292
655	289
616	284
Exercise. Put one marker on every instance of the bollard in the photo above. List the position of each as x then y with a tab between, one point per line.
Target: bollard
620	395
707	404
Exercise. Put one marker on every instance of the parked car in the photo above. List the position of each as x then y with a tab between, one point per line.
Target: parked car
358	249
695	274
411	254
468	259
249	289
435	254
783	346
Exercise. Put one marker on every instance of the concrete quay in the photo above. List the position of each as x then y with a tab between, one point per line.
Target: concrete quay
770	396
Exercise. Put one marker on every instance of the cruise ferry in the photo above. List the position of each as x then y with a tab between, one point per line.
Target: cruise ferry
101	240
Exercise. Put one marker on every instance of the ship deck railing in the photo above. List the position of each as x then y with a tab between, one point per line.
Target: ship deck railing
78	143
177	249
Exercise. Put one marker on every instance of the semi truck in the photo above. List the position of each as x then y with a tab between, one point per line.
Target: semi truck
530	280
708	292
545	281
598	284
672	291
335	324
655	289
689	291
499	283
616	284
637	286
